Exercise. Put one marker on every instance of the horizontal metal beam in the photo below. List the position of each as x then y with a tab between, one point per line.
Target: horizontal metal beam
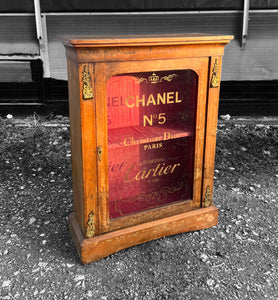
20	103
16	14
193	12
119	13
19	57
263	11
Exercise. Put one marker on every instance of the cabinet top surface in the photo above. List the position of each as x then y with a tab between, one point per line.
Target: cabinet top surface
141	40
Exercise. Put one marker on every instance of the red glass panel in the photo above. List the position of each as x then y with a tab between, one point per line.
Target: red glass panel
151	128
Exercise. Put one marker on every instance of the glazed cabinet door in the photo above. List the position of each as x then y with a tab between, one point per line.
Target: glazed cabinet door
150	124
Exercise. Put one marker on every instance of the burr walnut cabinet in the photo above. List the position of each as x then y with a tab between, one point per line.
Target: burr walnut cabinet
143	116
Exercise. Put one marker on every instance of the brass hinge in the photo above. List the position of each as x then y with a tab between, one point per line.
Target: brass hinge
215	80
90	230
87	89
208	197
99	152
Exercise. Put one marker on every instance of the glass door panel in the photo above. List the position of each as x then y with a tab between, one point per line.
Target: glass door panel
151	132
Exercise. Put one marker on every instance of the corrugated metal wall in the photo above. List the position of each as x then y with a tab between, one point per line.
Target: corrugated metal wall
134	24
258	62
131	5
18	35
19	49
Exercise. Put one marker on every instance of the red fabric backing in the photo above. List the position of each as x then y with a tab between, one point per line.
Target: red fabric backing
150	143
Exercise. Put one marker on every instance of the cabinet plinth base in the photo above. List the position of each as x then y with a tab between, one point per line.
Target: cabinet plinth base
95	248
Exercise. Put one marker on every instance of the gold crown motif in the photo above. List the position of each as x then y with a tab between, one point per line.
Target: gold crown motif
153	78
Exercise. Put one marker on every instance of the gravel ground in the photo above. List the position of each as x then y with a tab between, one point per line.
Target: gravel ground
235	260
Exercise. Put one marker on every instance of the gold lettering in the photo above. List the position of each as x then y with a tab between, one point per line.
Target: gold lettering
127	103
177	98
140	101
161	118
167	169
161	99
174	167
128	141
141	175
153	146
167	135
149	172
151	100
159	170
125	141
156	170
147	119
170	96
131	101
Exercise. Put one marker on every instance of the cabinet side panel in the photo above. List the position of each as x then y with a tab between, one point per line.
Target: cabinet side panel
76	142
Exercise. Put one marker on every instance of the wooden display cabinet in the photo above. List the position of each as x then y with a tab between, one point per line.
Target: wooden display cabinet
143	116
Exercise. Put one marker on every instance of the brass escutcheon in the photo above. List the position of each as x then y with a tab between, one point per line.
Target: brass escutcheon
99	152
